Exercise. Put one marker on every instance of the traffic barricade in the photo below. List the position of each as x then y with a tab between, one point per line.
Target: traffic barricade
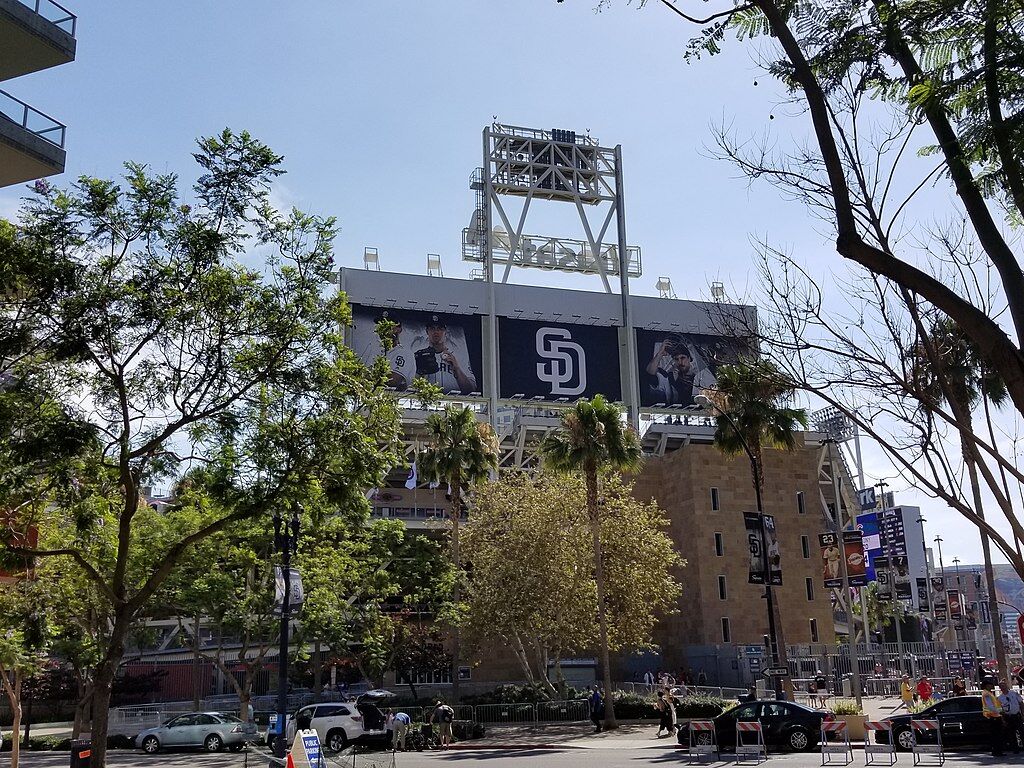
871	750
747	749
924	751
703	740
835	743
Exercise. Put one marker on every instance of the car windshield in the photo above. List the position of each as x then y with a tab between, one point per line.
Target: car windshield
229	718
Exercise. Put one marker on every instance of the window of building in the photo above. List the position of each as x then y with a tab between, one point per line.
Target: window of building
805	547
809	583
814	630
715	506
726	631
801	507
719	545
435	677
722	591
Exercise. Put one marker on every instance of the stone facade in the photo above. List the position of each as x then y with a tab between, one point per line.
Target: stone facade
682	482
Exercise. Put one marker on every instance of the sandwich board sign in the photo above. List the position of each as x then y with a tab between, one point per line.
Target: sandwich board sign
306	751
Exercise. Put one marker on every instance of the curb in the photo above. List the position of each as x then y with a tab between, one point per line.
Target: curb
518	746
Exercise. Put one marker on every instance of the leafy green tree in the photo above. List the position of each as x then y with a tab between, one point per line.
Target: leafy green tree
460	451
193	365
591	439
751	400
547	611
22	644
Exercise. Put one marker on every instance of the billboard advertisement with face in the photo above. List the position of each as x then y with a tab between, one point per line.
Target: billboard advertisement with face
557	360
675	367
444	349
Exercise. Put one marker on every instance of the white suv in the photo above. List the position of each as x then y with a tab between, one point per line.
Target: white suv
339	723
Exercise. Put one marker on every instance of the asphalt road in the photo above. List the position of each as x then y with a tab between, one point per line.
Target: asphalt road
520	758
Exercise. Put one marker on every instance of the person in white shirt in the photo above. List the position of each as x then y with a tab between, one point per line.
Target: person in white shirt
403	366
439	364
1011	701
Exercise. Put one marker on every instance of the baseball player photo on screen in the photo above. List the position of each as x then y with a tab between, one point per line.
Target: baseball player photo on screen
675	367
444	349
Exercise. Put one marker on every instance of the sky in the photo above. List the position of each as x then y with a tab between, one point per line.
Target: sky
378	108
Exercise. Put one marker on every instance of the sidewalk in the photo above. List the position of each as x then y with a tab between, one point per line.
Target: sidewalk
629	735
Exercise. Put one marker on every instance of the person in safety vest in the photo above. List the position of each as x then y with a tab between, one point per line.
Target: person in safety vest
992	711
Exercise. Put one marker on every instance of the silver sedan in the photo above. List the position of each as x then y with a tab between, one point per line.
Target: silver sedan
212	731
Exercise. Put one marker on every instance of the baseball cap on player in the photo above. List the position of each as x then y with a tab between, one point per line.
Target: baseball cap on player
435	321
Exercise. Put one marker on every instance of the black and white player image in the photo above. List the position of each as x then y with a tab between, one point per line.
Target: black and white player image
671	377
439	362
399	358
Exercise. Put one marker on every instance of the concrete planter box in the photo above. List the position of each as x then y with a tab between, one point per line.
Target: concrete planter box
855	724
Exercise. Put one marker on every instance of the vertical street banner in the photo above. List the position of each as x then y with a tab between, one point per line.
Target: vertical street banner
830	563
884	578
774	553
856	561
956	612
971	616
922	592
752	522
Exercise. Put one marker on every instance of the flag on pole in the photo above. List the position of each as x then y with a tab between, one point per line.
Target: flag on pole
410	483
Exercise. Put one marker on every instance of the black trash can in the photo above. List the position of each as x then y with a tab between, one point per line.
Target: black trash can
81	753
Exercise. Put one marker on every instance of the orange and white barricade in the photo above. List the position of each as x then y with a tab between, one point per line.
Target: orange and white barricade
703	740
835	742
871	750
750	741
923	751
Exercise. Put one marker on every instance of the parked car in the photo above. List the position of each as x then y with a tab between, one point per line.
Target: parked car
212	731
340	723
960	722
784	723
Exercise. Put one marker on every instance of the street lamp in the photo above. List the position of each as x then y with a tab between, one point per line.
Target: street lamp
960	596
767	575
286	541
949	612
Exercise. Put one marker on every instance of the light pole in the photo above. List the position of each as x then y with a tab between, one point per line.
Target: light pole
927	574
949	612
840	527
286	541
960	602
767	575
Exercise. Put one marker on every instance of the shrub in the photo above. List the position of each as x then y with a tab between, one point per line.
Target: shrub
516	694
633	706
846	707
700	706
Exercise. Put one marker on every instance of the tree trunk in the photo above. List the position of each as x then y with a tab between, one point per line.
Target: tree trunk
457	587
15	697
103	681
318	671
196	666
602	617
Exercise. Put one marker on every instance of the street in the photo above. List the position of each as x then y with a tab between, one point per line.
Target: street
598	757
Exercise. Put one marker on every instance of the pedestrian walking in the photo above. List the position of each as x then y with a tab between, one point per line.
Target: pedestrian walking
924	689
702	679
907	693
664	719
596	707
402	721
649	679
1013	724
444	716
992	711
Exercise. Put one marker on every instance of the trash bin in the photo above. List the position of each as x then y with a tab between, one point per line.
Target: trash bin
847	686
81	753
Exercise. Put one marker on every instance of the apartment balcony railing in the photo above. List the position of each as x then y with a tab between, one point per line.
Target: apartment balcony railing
32	120
55	13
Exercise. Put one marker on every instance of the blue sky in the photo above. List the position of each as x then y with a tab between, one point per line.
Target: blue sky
378	109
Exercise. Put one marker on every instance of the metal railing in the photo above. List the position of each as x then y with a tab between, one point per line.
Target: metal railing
55	13
717	691
42	125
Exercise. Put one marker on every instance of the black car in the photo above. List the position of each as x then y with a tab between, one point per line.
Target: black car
960	721
785	724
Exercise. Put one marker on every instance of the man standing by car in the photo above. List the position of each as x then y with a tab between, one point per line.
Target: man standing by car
1011	703
992	711
402	722
444	716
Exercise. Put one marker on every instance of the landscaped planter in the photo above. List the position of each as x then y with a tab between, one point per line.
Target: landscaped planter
855	725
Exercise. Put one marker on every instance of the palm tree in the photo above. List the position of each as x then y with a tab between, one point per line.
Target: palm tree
461	452
751	399
959	375
593	438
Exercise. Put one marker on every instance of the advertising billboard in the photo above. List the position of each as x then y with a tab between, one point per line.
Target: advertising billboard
753	523
445	349
675	367
557	361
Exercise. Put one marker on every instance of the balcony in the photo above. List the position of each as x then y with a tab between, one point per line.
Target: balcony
31	143
36	34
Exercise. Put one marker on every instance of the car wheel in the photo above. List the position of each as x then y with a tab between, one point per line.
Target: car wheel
799	740
703	739
336	741
213	743
151	745
904	739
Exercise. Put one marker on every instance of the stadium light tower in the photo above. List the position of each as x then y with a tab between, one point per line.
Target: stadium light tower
529	165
